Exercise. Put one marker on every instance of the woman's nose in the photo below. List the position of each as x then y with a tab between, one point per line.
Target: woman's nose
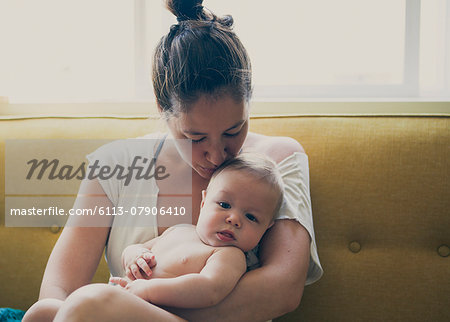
216	155
233	220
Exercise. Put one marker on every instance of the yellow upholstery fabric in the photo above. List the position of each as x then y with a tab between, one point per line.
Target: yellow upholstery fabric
380	195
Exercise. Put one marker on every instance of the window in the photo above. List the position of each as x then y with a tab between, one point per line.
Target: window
326	49
64	51
346	48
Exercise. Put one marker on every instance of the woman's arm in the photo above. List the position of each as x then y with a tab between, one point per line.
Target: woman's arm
77	252
272	290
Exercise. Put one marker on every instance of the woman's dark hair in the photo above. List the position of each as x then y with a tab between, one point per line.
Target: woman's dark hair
200	55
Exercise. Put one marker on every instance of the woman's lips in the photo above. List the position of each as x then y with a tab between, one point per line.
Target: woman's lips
225	235
209	171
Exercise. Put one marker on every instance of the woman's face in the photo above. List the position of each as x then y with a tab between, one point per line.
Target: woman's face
217	127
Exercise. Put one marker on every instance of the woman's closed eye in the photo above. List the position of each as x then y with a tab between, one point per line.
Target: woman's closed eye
198	140
232	134
225	134
224	205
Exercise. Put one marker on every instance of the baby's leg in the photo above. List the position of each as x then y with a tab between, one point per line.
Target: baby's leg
43	311
103	302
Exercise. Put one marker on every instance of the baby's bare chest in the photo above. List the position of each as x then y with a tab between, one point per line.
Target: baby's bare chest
180	252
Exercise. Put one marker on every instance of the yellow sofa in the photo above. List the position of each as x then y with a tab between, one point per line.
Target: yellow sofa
381	201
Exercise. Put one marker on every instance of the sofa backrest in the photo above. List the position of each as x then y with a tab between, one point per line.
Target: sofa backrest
380	195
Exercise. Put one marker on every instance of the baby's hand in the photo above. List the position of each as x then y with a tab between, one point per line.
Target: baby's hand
122	282
136	287
137	262
141	265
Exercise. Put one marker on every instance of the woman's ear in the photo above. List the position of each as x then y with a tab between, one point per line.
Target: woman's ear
203	198
160	110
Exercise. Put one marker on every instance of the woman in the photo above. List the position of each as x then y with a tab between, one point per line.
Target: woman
202	82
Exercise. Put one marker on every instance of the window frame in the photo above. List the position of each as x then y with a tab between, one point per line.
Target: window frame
408	89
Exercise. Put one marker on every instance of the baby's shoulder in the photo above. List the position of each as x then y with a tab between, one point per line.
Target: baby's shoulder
180	228
229	253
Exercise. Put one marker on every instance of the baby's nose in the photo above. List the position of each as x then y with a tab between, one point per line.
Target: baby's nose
234	220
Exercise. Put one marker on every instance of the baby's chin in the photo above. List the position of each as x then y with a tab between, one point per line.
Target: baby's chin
211	240
204	238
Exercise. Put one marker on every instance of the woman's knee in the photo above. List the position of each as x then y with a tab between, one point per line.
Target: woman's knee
43	310
89	303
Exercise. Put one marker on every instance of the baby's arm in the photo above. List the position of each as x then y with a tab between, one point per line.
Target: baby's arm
216	280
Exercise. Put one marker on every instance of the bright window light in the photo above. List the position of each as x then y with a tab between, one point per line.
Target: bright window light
90	51
64	50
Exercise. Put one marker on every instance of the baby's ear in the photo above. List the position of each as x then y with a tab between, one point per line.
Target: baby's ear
203	198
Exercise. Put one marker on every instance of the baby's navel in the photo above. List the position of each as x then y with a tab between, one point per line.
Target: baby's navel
184	260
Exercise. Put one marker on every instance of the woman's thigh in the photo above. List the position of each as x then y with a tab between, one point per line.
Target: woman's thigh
102	302
43	311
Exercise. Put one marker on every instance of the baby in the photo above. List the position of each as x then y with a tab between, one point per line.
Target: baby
196	265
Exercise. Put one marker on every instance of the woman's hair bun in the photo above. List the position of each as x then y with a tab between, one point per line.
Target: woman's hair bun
186	9
193	10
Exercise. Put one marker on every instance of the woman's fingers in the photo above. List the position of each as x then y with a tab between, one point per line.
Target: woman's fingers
141	262
150	259
141	268
129	275
135	271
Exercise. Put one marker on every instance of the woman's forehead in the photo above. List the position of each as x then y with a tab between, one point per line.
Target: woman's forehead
224	110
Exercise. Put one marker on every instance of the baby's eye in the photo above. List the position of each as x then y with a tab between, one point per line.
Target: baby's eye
224	205
251	217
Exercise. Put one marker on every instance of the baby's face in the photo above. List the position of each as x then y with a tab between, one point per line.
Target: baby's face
236	210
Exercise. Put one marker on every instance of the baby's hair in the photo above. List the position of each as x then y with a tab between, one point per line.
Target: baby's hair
201	55
258	166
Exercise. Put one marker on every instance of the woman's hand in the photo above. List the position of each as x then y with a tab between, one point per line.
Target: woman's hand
138	262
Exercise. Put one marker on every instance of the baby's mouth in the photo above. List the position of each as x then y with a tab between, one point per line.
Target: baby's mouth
226	235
